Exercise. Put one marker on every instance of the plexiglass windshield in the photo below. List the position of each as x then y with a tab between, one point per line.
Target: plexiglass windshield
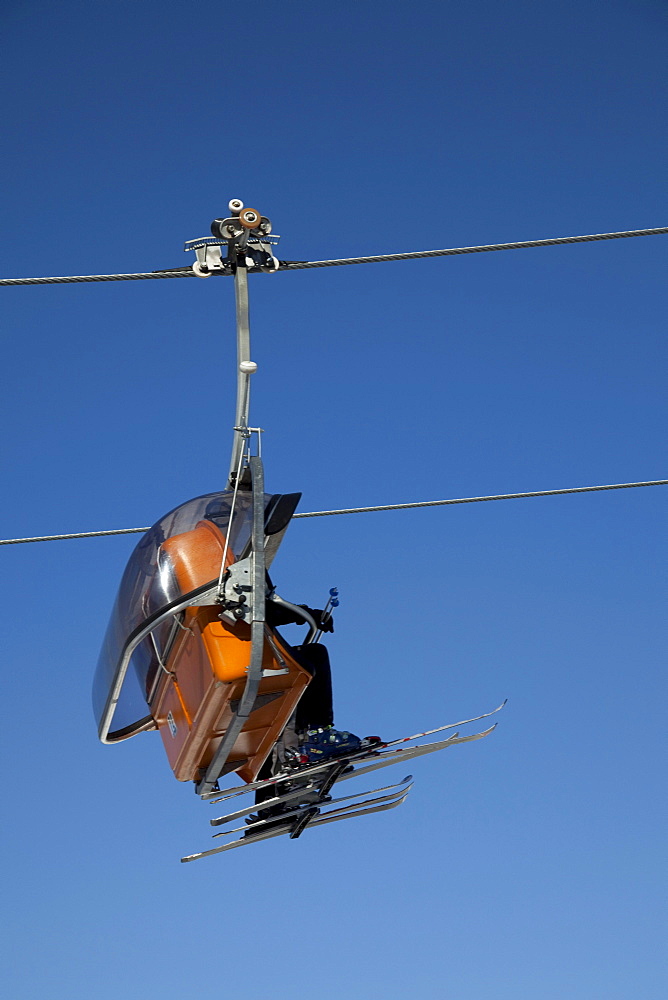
148	586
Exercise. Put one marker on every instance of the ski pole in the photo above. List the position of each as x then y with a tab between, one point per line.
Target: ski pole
332	602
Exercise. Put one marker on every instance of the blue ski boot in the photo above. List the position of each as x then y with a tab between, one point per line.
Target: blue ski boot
321	744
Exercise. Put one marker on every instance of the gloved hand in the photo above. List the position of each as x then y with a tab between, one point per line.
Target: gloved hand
318	614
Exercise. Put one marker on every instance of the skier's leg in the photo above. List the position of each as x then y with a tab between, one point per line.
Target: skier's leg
316	708
314	718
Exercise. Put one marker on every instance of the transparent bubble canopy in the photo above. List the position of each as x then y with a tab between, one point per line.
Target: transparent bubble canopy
148	588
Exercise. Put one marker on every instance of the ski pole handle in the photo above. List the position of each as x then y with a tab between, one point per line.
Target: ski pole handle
332	602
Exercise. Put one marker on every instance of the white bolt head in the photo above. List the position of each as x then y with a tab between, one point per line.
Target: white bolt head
247	367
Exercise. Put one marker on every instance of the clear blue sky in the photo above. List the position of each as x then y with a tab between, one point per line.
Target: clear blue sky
528	865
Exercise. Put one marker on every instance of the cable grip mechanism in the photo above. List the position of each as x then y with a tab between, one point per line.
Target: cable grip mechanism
247	236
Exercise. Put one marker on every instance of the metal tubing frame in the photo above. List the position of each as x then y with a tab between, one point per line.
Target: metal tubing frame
204	595
258	597
304	615
243	354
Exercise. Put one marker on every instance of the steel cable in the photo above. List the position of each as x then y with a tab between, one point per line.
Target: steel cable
556	241
187	272
498	496
363	510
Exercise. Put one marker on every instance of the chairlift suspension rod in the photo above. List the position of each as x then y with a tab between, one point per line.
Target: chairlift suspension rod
244	366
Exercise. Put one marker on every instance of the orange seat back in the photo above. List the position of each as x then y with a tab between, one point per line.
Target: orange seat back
196	555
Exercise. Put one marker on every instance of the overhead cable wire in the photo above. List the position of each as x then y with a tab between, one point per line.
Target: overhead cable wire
486	248
187	272
499	496
362	510
74	534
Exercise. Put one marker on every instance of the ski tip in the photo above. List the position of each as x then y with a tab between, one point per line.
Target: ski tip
486	732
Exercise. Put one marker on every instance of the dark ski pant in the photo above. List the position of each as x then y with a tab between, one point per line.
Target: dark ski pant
314	711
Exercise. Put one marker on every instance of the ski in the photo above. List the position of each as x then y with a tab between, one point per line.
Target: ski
304	771
310	789
306	806
380	758
307	789
327	818
348	812
340	769
228	793
400	756
450	725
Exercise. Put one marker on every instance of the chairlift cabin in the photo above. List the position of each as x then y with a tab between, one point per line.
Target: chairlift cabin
188	650
178	660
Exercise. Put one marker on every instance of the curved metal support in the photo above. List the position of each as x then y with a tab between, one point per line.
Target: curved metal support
202	596
301	613
258	597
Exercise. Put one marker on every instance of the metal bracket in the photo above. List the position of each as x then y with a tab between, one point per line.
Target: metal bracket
209	257
237	588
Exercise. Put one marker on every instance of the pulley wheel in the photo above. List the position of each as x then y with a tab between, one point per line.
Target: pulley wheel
249	218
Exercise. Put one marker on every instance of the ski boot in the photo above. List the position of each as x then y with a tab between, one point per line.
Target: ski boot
326	742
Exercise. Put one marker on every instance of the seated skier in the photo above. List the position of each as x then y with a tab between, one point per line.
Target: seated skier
310	736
